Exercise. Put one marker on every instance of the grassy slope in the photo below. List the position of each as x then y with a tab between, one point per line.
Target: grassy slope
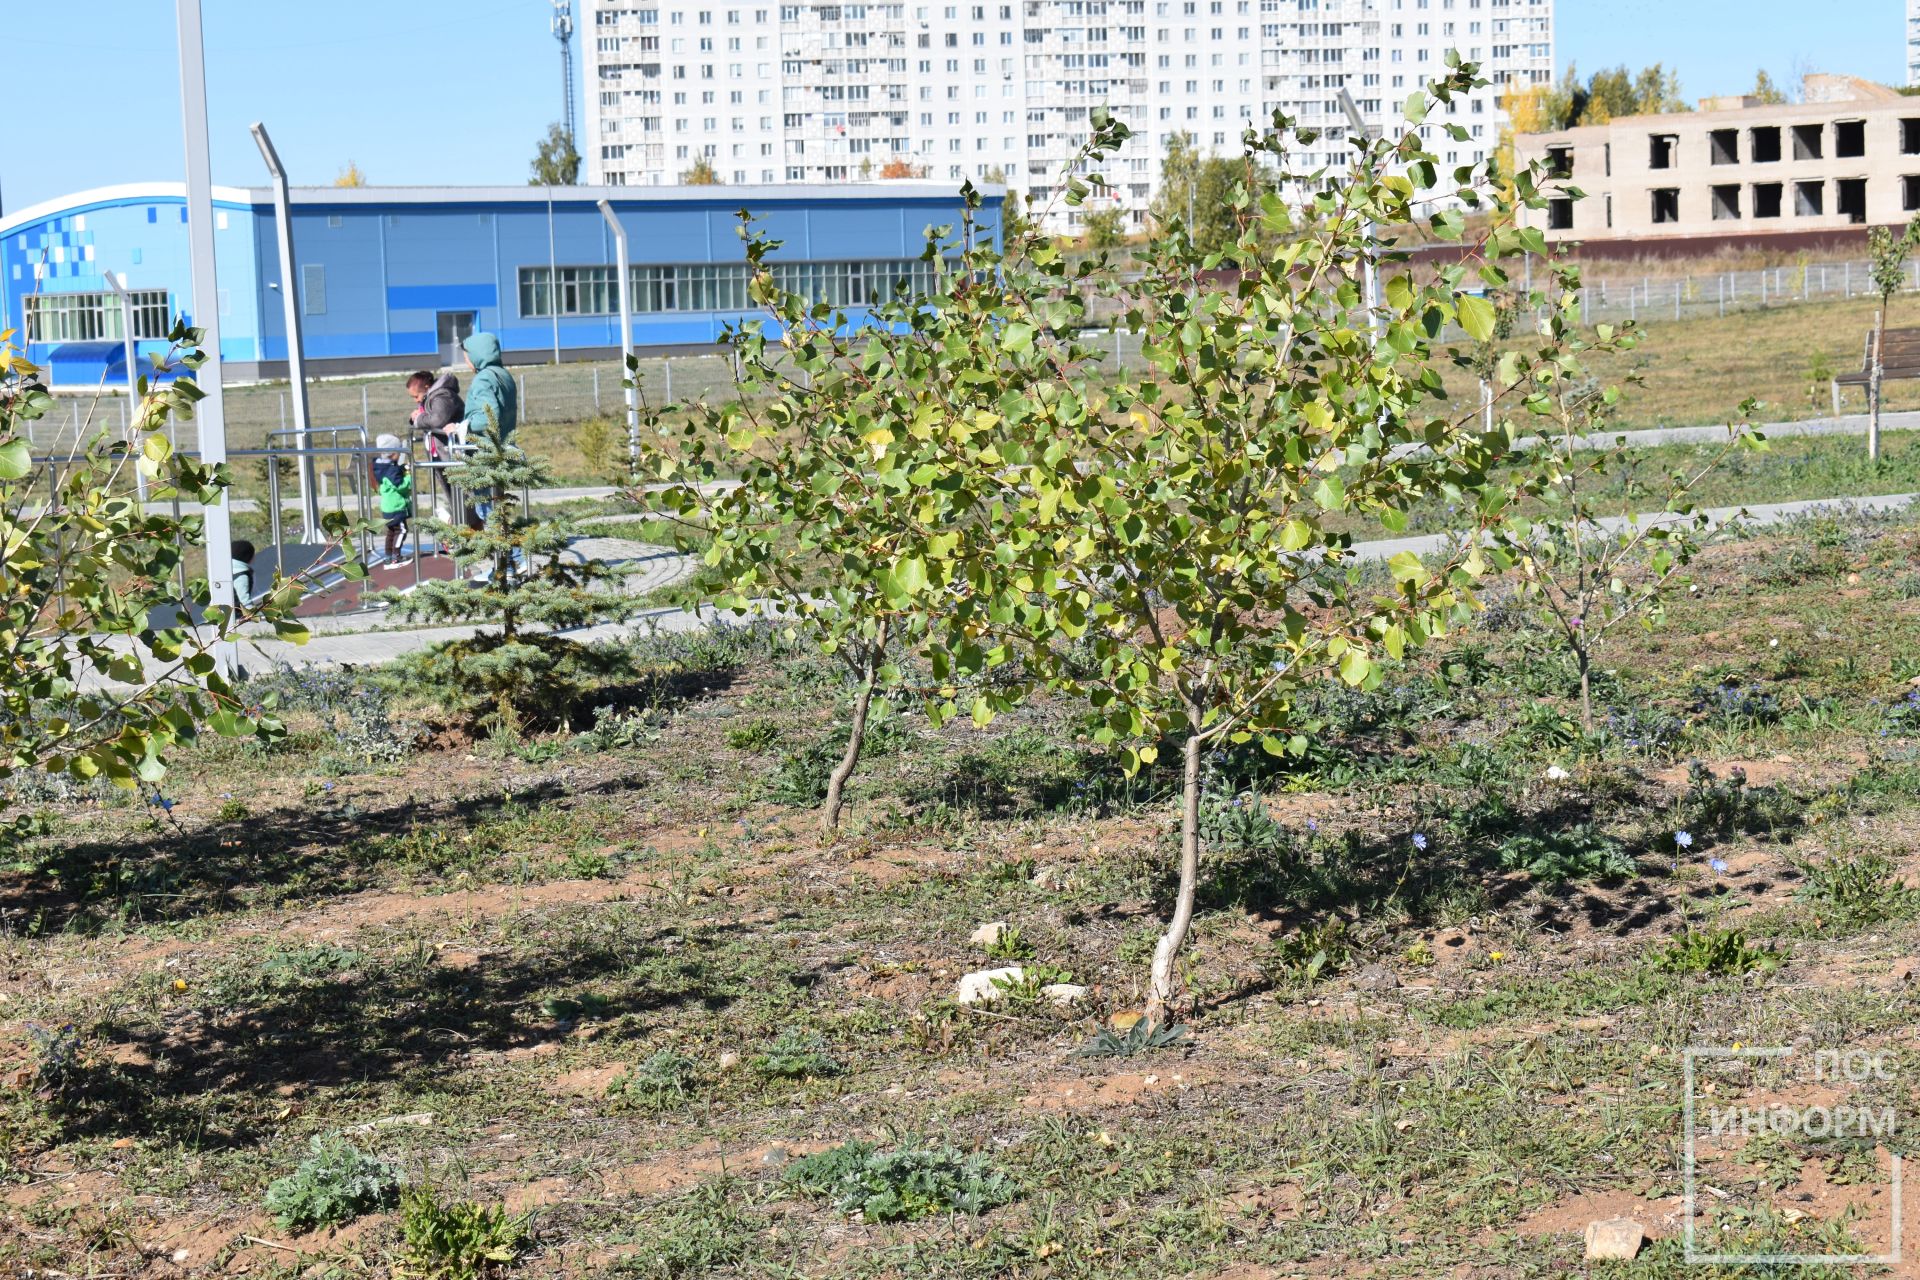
308	942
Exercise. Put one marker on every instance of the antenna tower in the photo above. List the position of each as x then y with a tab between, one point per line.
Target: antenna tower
562	28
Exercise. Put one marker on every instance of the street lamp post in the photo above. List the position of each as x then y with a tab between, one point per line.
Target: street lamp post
119	287
296	357
210	413
1371	283
626	333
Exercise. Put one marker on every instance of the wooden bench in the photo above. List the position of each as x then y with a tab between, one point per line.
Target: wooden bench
1901	359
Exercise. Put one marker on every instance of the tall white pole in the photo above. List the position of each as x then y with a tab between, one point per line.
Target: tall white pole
626	333
119	286
296	357
553	279
210	413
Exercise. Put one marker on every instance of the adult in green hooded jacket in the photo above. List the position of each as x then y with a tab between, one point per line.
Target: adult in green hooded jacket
493	401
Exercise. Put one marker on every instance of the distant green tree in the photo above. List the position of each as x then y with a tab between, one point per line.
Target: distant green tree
1619	92
1196	191
1104	228
557	162
1765	90
700	174
523	673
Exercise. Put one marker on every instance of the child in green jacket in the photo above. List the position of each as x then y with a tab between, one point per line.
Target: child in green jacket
395	481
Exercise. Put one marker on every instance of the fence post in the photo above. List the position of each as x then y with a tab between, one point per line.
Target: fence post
526	412
1676	299
596	388
1834	383
366	418
1805	279
666	366
1723	296
1633	305
1763	288
1846	275
283	411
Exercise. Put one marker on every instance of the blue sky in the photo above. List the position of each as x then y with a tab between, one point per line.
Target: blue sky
446	91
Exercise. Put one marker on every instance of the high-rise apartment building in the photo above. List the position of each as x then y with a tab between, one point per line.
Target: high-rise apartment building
817	91
1913	42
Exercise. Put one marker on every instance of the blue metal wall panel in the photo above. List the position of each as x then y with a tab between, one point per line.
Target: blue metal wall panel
389	269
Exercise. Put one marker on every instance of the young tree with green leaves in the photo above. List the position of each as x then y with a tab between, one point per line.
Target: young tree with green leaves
1888	252
103	670
1181	538
867	451
1590	571
526	671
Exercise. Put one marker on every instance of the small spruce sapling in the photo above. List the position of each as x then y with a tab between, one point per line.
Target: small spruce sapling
526	670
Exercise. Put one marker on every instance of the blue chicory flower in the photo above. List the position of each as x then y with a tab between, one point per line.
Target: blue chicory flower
1684	839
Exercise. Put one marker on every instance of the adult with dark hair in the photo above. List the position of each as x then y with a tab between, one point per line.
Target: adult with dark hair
242	552
439	406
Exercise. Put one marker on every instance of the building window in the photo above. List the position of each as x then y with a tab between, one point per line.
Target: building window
1666	204
313	289
1763	144
589	291
1809	199
1850	199
1560	215
1910	193
1807	141
1726	202
1560	162
1766	199
1723	146
1662	149
1849	138
1910	136
95	317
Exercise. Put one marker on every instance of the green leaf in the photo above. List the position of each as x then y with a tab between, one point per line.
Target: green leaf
1477	316
1355	667
15	460
1406	567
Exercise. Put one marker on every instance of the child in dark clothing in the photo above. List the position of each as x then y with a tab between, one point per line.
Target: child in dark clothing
395	481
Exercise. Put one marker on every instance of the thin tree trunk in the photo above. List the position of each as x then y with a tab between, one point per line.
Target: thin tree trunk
1160	991
1873	386
1586	689
863	701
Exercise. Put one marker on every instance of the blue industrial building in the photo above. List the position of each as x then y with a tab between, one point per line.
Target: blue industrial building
392	278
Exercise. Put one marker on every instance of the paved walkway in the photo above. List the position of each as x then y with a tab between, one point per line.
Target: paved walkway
662	567
1650	438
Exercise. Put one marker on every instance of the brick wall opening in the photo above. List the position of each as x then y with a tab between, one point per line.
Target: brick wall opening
1851	199
1910	193
1910	136
1726	202
1560	215
1766	199
1807	142
1666	204
1849	138
1723	146
1763	143
1560	162
1662	150
1809	199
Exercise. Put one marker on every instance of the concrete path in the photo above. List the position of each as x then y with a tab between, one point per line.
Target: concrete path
1649	438
662	567
1718	517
